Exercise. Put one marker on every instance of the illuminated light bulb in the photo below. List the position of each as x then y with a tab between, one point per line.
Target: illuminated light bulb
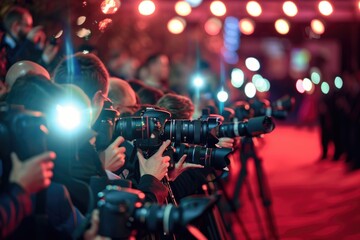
338	82
307	84
282	26
213	26
194	3
247	26
80	20
222	96
110	6
176	25
218	8
253	8
317	26
325	8
290	8
299	86
146	7
237	77
252	64
182	8
325	88
250	90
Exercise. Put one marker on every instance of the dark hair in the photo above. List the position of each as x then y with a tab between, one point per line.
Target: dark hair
179	106
149	95
34	92
86	71
14	14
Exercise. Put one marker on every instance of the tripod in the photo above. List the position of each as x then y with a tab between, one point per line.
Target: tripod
248	152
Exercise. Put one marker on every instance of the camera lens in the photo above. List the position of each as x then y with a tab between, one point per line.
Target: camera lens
136	127
190	131
207	157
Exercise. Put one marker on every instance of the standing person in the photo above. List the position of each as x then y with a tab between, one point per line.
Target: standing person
22	41
157	69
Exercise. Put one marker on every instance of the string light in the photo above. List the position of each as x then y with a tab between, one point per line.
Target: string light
253	8
146	7
290	8
325	8
218	8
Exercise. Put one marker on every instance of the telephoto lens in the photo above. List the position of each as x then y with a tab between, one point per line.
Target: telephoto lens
250	128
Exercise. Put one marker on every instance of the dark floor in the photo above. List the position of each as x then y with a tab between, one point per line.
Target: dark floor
311	199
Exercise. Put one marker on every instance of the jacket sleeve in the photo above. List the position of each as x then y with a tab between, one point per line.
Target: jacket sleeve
15	205
154	190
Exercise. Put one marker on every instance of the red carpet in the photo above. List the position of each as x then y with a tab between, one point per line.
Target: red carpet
310	199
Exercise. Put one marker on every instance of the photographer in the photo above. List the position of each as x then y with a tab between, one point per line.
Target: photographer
25	178
22	41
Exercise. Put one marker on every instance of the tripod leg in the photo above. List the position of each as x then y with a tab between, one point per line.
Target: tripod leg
266	198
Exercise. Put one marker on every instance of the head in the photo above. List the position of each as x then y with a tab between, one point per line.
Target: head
18	22
122	95
179	106
22	68
158	66
88	72
149	95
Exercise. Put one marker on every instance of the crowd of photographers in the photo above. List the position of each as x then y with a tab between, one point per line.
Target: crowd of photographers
119	147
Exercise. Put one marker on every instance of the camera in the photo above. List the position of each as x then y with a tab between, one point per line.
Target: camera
123	212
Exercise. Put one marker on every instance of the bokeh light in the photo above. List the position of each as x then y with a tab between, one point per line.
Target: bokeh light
282	26
253	8
83	33
213	26
307	84
80	20
146	7
237	77
252	64
250	90
218	8
299	86
315	77
317	26
338	82
325	88
110	6
325	8
103	25
290	8
198	82
182	8
176	25
247	26
222	96
194	3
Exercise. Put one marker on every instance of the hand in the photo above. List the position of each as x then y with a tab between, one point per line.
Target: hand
113	157
157	165
37	36
180	167
33	174
91	233
225	142
49	52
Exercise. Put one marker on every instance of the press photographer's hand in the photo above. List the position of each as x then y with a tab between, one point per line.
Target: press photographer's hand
157	165
37	36
226	142
33	174
113	157
180	167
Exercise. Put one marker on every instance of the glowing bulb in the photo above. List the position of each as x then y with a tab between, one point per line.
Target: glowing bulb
176	25
282	26
252	64
290	8
146	7
250	90
338	82
325	8
218	8
182	8
253	8
325	88
213	26
299	86
222	96
237	77
317	26
247	26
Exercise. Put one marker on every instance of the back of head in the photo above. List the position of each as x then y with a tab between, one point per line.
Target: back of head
22	68
179	106
121	94
14	14
149	95
84	70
